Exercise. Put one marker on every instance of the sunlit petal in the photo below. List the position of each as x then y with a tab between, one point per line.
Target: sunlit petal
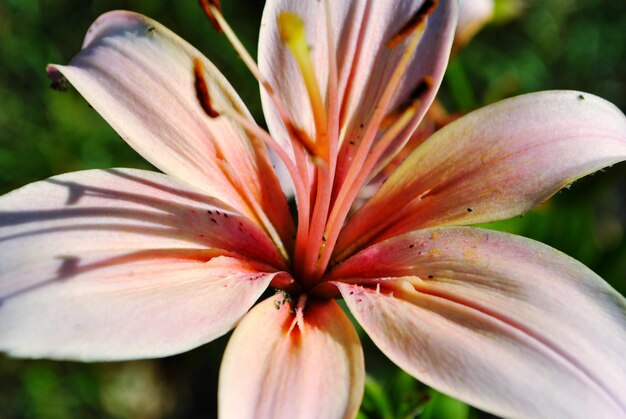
494	163
502	322
274	369
143	307
117	210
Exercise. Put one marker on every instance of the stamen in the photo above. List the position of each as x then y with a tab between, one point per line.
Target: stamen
353	159
298	142
353	183
300	188
414	23
207	7
215	13
254	130
257	132
246	193
366	158
202	91
420	90
301	137
416	96
331	91
293	34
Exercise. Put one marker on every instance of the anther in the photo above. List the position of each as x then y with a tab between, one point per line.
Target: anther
301	137
58	80
422	88
202	91
207	8
417	94
414	99
413	23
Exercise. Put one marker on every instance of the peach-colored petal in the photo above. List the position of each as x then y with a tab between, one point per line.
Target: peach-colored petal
139	76
313	370
139	308
361	31
502	322
492	164
117	210
112	264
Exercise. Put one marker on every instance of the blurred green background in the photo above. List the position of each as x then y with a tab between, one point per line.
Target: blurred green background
552	44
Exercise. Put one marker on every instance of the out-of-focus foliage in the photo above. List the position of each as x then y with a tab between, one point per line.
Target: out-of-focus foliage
552	44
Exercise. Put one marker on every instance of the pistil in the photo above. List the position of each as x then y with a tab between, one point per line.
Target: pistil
293	34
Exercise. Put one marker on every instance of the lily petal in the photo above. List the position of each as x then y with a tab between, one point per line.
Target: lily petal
139	76
117	210
502	322
494	163
273	368
121	264
361	31
145	308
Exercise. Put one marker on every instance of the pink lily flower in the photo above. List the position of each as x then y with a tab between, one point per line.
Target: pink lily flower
125	264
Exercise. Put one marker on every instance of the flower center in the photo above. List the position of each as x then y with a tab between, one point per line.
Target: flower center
328	168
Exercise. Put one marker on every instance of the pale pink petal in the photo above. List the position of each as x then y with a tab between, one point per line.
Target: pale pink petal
473	15
361	31
139	76
142	308
111	264
502	322
313	370
492	164
115	211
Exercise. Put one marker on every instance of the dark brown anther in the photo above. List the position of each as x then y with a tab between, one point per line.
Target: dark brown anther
206	8
202	91
301	137
414	22
58	80
422	88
